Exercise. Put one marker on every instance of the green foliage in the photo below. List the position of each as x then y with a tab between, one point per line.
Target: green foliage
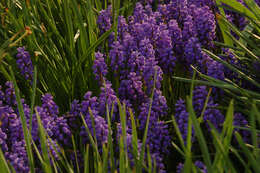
65	36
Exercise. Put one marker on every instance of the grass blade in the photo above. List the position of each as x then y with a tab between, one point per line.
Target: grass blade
3	164
27	136
199	134
86	159
43	140
248	153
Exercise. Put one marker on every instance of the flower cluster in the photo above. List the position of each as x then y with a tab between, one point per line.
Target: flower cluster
143	47
11	131
148	44
176	27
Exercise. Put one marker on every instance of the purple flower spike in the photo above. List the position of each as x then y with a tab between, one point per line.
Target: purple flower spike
99	67
24	63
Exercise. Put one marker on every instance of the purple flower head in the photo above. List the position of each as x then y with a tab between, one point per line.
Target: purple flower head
107	97
202	3
211	114
132	89
24	63
204	21
164	52
176	36
240	121
49	104
74	119
181	116
158	138
192	51
10	98
189	29
158	110
117	56
54	150
3	138
199	165
139	12
89	102
101	129
122	26
94	105
214	116
229	56
215	70
18	157
180	168
177	10
105	19
99	67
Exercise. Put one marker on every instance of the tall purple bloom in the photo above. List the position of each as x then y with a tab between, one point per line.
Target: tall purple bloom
18	157
211	114
105	19
100	67
24	63
9	95
204	21
240	121
181	116
49	104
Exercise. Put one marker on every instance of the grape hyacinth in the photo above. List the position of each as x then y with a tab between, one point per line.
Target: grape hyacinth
211	114
240	121
92	110
148	48
204	21
199	165
24	63
104	19
99	67
165	33
181	116
9	95
56	127
18	156
11	131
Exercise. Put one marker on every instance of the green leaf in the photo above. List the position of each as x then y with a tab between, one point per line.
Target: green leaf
177	130
221	24
134	139
86	159
122	162
223	141
239	7
43	140
199	135
33	94
252	160
216	58
110	139
122	113
3	164
94	145
27	136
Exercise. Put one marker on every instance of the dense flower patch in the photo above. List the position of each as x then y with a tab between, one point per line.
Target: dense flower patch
129	69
